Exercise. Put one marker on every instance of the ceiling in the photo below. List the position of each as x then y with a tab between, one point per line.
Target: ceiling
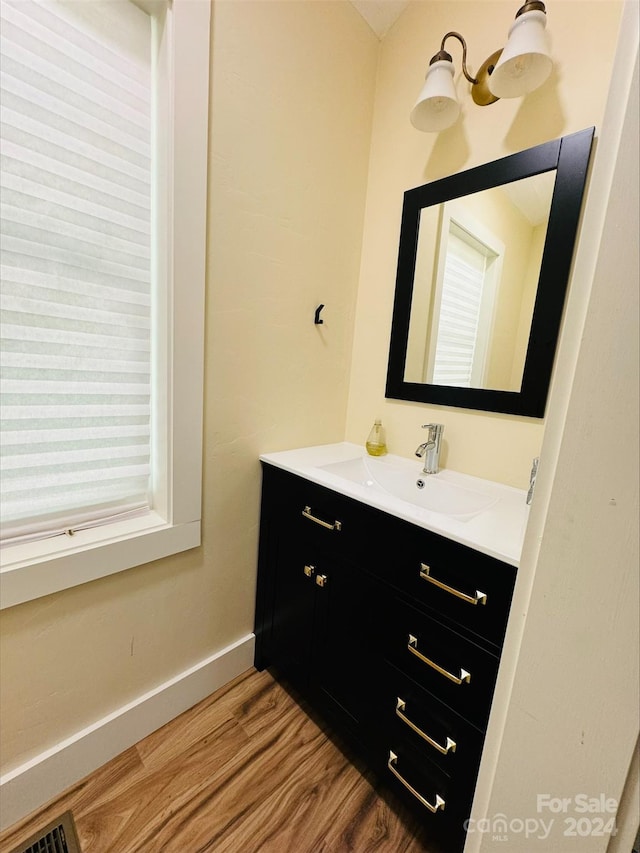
380	14
532	196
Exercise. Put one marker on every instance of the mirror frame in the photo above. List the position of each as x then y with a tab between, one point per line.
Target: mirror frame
569	156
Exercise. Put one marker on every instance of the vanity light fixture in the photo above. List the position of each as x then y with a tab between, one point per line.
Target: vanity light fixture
522	66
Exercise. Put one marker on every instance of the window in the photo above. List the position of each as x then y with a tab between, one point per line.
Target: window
76	264
465	295
102	367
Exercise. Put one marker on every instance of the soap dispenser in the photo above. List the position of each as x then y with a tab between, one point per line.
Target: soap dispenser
376	443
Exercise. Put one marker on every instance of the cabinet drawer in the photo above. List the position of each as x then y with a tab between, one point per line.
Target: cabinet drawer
429	727
311	513
453	669
441	803
463	586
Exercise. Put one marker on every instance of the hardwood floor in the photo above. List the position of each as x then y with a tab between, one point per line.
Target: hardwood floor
244	771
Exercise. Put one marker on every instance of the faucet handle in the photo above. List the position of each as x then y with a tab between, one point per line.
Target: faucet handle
435	430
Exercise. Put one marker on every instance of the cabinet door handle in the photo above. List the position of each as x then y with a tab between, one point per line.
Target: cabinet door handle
321	580
309	571
412	646
478	598
337	525
450	745
439	804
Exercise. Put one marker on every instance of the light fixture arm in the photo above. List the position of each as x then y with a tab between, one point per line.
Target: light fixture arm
479	86
454	34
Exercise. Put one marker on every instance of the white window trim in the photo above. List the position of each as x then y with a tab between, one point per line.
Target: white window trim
33	569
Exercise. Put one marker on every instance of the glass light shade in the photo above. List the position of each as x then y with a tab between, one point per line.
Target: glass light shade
525	62
437	106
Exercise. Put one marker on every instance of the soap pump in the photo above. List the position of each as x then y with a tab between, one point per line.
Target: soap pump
376	443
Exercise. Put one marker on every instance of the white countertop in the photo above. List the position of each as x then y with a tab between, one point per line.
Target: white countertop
497	531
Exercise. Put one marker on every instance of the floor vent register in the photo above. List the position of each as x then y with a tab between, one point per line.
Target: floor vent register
59	836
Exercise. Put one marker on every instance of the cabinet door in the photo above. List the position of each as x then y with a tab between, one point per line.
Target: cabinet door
293	610
346	643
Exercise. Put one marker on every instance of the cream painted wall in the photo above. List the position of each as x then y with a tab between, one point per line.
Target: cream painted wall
528	299
498	447
422	299
290	122
516	232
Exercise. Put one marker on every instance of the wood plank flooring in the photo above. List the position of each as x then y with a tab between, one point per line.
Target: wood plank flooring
245	771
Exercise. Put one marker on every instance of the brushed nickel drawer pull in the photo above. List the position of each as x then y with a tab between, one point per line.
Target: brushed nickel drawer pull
478	598
393	758
337	525
309	571
412	646
450	745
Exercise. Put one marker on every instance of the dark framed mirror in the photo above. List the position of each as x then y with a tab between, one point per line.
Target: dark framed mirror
483	268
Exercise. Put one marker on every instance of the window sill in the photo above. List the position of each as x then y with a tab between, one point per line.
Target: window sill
34	569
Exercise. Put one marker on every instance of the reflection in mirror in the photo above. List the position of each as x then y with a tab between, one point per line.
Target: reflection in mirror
477	267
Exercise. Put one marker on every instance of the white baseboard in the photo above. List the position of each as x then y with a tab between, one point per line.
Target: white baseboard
44	777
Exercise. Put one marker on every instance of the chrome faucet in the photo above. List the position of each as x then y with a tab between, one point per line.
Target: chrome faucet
430	448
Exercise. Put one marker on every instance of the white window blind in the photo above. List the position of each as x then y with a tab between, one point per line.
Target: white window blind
460	310
75	262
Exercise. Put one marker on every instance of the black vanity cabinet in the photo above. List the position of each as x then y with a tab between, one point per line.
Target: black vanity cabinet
393	633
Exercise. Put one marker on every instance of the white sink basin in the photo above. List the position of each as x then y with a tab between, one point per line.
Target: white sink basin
404	480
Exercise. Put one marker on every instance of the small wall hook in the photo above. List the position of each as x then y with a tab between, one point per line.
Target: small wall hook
317	319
